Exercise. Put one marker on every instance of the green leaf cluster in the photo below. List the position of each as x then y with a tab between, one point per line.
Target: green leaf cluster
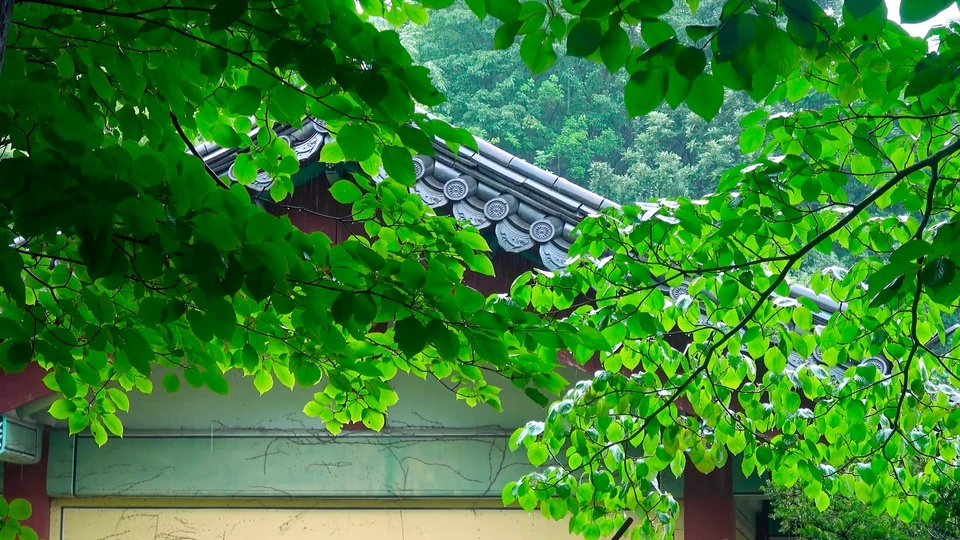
12	513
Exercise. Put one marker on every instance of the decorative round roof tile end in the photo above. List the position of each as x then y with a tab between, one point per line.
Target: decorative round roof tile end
459	188
678	291
544	230
882	366
422	166
498	208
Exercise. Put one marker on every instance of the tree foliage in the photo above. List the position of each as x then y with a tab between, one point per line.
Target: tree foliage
123	252
844	519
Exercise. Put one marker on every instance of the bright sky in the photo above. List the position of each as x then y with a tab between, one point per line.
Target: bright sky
919	30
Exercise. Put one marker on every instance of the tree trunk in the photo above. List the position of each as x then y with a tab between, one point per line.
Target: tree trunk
6	18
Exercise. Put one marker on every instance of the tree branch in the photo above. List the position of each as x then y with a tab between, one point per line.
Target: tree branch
6	20
193	150
930	161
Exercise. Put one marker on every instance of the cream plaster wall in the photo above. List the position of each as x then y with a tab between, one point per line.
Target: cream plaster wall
248	523
202	519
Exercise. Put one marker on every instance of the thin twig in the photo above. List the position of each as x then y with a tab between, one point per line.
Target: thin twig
193	150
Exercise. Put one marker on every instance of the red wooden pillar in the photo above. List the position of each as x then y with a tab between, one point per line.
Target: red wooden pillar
709	511
30	482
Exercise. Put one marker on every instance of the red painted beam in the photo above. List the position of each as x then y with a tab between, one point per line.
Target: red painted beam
17	389
30	482
709	509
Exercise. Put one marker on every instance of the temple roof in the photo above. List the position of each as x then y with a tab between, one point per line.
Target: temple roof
529	209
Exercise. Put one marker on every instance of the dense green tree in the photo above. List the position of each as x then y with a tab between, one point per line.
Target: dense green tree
123	252
846	519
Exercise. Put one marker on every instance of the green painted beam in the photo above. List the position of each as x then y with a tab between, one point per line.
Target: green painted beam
355	465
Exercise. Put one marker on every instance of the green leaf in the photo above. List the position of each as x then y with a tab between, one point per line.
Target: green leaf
101	84
11	267
558	508
226	12
822	501
19	509
331	153
342	307
802	317
245	101
215	381
27	533
148	169
938	273
398	164
728	293
225	136
316	10
373	420
697	32
505	35
584	38
282	53
536	51
910	251
412	273
316	65
62	409
66	383
138	351
65	65
357	141
810	190
507	496
345	191
592	338
77	422
751	139
113	424
649	9
888	293
656	32
504	10
690	62
866	19
537	453
262	381
119	398
614	48
645	91
98	432
478	7
537	396
17	356
862	8
170	382
410	336
705	97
